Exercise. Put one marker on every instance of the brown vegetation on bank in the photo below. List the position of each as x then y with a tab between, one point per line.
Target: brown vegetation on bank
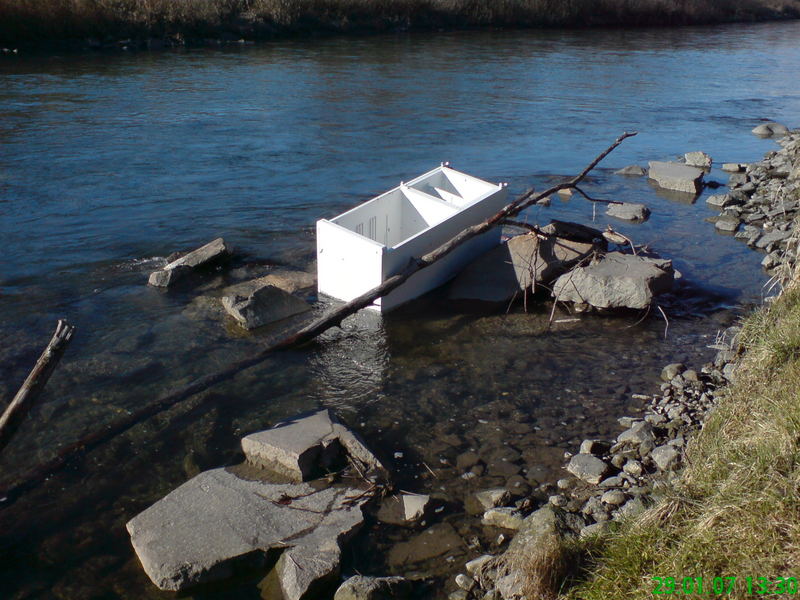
49	20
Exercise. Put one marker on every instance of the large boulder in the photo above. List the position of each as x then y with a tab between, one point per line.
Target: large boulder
675	176
213	252
616	281
216	522
771	129
263	304
301	447
525	261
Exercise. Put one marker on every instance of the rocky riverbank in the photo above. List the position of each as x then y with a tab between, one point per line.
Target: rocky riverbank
610	480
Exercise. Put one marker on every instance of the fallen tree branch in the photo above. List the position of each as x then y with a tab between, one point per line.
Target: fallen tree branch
333	318
27	395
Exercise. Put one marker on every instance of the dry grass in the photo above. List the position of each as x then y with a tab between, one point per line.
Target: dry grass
736	510
31	20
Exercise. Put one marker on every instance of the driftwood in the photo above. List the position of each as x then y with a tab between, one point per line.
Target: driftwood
26	397
331	319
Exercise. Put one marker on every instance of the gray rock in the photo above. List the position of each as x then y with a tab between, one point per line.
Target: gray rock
505	517
595	529
633	467
638	433
523	261
613	497
631	508
772	237
771	129
665	456
492	498
698	159
669	372
675	176
466	460
475	566
587	468
464	582
733	167
616	281
720	200
360	587
404	509
631	171
297	448
214	251
628	211
264	305
596	447
198	532
727	223
612	482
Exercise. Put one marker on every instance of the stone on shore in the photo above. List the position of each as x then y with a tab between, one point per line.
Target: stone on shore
727	223
361	587
733	167
523	261
301	447
675	176
665	456
492	498
216	250
631	171
771	129
504	517
628	211
588	468
720	200
215	522
698	159
263	305
403	509
616	281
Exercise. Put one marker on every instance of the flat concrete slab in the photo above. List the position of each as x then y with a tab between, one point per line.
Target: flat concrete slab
675	176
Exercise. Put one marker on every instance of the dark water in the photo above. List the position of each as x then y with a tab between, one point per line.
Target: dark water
110	162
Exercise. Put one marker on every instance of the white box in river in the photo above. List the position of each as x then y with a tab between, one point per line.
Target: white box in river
359	249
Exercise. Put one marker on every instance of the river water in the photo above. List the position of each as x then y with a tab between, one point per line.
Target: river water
109	162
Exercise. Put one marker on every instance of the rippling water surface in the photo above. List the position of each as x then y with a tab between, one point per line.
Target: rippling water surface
109	162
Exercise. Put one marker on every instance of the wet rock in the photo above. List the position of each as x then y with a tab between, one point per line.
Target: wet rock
264	305
675	176
733	167
587	468
523	261
492	498
631	171
202	530
628	211
300	447
665	456
467	460
770	129
404	509
435	541
720	200
616	281
505	517
698	159
360	587
727	223
290	281
207	255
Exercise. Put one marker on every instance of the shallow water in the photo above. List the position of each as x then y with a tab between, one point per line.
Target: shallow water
110	162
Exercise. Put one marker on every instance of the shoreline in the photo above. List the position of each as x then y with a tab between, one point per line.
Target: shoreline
612	485
26	29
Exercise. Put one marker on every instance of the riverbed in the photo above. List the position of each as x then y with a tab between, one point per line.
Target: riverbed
111	161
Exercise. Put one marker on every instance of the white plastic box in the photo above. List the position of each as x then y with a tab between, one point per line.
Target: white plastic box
359	249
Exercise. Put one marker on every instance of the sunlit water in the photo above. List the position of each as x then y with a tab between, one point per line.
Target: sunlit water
110	162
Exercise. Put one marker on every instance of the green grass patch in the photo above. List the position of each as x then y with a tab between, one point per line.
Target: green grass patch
735	511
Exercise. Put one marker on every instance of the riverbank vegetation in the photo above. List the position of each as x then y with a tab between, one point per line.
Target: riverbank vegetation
735	512
38	21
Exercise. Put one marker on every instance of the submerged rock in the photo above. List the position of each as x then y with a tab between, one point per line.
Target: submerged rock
214	251
616	281
628	211
217	521
675	176
404	509
435	541
264	304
